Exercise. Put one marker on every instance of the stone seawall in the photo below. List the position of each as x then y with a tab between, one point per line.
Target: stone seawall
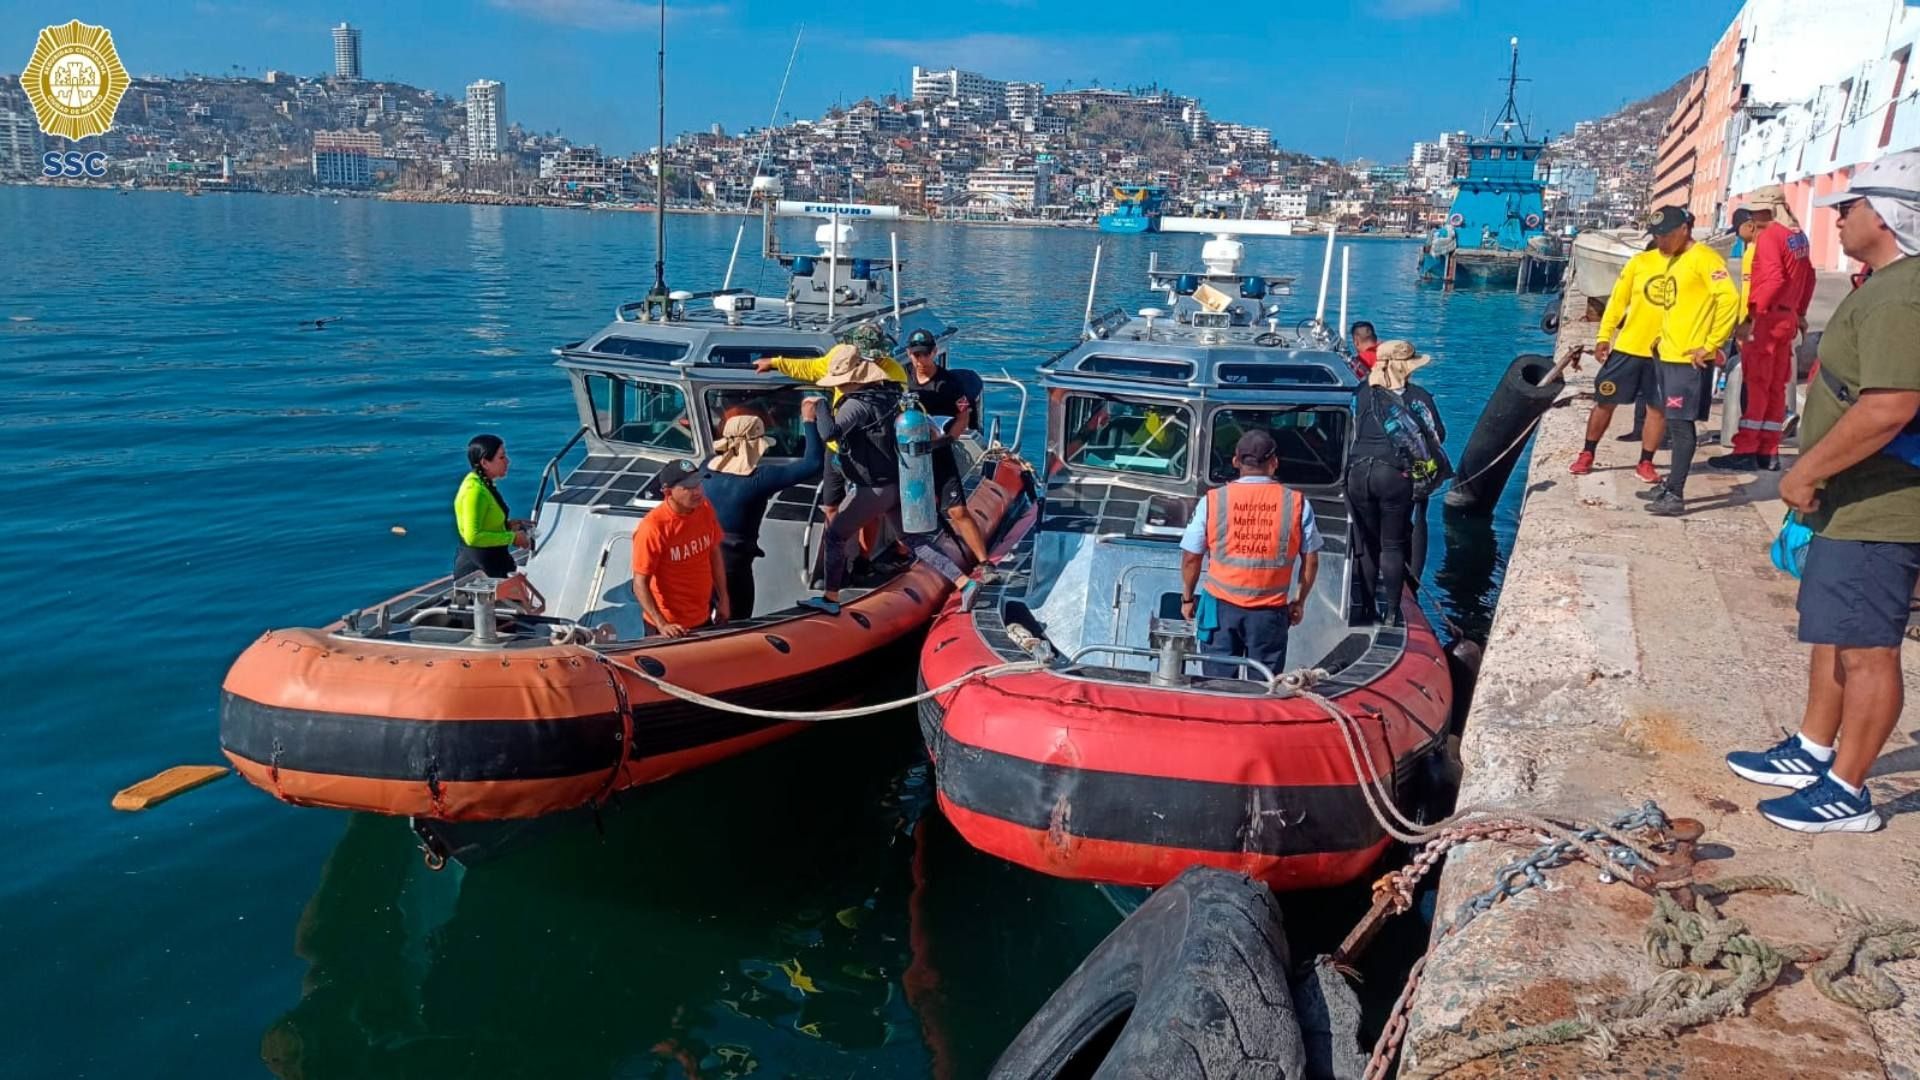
1629	652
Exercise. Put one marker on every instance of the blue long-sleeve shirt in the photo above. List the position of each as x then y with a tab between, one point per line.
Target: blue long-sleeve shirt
740	502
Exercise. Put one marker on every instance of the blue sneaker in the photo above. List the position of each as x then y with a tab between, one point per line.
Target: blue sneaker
1823	807
1784	764
821	603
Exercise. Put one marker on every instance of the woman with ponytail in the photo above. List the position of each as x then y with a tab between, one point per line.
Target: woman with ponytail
487	532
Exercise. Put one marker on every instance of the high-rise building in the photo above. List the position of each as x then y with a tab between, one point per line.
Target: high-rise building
346	52
486	120
19	143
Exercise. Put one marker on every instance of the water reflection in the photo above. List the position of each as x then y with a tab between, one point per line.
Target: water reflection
1470	571
779	912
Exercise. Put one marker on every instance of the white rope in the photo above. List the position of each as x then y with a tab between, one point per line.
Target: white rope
1379	799
814	716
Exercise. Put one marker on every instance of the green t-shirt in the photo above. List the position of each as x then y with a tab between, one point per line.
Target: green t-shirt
1871	343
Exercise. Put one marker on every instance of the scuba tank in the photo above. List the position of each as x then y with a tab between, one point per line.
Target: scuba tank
913	433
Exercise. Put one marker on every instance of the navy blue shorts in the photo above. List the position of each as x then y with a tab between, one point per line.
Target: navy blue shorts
1624	379
1856	593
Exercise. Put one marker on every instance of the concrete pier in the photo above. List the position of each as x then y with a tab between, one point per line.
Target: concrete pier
1629	652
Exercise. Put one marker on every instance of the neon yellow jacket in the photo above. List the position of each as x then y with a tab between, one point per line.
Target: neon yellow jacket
478	516
1702	304
1629	311
1746	277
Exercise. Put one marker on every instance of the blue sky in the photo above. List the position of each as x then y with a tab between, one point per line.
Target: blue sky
1352	77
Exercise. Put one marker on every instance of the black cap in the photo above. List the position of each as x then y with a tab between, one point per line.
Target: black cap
920	339
1668	218
1255	447
1741	217
678	473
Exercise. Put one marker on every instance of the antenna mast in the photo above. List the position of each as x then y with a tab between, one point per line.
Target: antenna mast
660	178
1509	117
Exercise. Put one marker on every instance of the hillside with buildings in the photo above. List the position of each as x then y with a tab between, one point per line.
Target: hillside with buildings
1601	171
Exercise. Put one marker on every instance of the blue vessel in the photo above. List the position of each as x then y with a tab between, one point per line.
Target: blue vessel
1133	208
1495	234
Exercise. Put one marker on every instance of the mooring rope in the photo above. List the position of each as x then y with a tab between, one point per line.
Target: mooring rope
816	715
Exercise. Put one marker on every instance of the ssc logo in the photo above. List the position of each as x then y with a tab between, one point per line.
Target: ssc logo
1607	388
74	80
1660	290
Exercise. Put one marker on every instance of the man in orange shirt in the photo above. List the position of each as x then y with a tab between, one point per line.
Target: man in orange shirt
676	557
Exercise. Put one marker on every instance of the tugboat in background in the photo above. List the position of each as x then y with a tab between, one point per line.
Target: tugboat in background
1495	234
1133	208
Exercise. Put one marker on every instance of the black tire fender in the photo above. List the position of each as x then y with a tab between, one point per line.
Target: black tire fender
1192	986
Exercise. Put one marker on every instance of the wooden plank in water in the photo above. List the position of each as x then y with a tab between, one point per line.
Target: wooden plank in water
158	789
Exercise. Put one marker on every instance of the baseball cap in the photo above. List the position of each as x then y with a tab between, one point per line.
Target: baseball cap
920	339
1254	447
1741	217
1668	218
679	473
1895	176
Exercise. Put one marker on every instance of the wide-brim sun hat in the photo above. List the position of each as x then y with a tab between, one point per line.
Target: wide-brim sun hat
1394	362
847	366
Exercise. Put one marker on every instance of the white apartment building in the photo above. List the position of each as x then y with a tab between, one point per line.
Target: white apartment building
1295	203
19	144
1024	99
346	52
1015	189
486	120
966	87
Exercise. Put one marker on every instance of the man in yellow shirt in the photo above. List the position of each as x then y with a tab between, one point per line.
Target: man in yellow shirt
866	339
1701	308
1628	331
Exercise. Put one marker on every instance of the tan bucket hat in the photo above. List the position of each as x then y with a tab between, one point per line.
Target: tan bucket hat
741	442
847	367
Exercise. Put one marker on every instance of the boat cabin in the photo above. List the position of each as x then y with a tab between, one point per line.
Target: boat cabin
658	383
1142	418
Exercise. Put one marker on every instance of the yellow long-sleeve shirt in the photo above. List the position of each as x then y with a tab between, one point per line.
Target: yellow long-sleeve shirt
1701	303
814	368
1630	311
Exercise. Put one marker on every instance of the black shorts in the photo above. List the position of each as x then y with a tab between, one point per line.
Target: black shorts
833	484
1624	379
1856	593
946	478
1683	391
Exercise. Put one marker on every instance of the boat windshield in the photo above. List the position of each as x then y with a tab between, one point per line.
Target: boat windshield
777	407
639	412
1127	436
1312	442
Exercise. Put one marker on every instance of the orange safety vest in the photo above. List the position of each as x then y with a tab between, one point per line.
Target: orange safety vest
1252	545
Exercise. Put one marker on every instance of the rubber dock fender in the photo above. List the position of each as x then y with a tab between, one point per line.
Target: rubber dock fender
1192	986
1524	394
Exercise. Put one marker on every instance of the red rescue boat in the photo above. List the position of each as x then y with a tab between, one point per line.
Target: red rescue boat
1130	759
454	703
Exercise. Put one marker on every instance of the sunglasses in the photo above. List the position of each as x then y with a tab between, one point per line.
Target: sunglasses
1843	208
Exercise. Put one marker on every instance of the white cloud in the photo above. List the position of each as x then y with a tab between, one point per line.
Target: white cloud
604	14
1003	55
1414	9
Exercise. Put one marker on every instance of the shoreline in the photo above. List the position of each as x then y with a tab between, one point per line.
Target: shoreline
1308	230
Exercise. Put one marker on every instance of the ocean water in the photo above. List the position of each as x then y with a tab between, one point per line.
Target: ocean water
187	466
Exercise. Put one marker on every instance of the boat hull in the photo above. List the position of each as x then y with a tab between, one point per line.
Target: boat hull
1476	270
1130	784
1128	223
320	718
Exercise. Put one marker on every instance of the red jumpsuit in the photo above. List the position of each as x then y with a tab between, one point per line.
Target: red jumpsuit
1778	296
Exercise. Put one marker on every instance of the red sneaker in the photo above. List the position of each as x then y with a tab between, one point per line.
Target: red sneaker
1582	464
1645	472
